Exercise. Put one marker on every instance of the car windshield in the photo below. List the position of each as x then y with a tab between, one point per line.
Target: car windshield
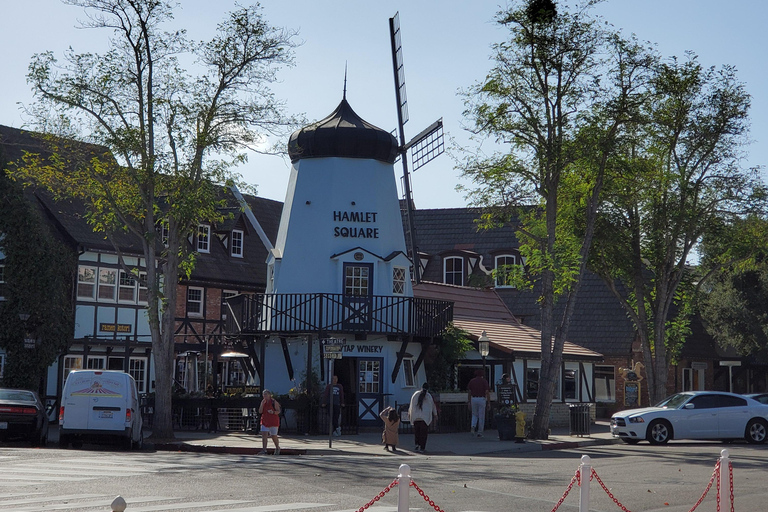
12	394
674	401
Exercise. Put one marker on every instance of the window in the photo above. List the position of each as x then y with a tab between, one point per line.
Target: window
71	363
143	287
605	384
107	283
195	301
504	269
532	383
398	280
86	282
237	244
408	372
453	270
137	369
570	384
203	238
357	279
127	291
163	229
369	376
96	363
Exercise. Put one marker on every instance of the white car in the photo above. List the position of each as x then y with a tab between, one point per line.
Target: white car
694	415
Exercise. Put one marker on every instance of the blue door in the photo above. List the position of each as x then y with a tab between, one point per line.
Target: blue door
369	391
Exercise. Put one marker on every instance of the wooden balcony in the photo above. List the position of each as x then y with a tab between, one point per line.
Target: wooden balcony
302	313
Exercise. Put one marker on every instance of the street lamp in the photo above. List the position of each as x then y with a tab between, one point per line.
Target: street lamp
484	346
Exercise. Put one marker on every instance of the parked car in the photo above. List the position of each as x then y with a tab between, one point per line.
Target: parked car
100	406
694	415
760	397
23	415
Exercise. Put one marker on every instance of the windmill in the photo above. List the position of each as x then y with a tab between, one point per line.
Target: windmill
426	146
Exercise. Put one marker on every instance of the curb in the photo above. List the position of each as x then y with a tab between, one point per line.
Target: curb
232	450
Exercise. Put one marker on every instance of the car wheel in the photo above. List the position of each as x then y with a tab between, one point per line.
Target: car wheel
659	432
756	431
630	441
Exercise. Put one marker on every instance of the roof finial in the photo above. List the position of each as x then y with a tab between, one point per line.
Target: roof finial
345	80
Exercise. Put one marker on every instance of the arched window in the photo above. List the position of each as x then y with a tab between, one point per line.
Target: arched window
503	266
453	270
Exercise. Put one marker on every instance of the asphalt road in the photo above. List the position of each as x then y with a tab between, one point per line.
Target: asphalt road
643	478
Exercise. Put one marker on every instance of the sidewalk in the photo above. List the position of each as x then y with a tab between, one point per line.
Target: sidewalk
369	443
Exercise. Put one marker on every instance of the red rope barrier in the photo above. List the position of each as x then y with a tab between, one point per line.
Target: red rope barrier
715	474
378	496
609	493
730	477
426	498
576	478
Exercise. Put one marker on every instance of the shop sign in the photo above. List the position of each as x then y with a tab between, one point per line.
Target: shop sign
123	328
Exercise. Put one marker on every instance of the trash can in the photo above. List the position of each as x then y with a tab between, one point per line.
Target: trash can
579	424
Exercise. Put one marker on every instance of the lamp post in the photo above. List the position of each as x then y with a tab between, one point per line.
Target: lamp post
484	346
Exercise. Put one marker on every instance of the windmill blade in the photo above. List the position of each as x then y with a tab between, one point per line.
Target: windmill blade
427	145
397	49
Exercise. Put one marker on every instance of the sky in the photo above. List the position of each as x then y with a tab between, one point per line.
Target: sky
446	48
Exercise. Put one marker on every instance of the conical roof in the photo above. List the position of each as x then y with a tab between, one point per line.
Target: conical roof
343	134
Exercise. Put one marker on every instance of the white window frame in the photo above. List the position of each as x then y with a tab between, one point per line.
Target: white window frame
610	384
126	277
203	238
113	285
398	280
498	274
199	312
96	362
69	364
164	232
137	368
93	284
453	272
236	243
142	285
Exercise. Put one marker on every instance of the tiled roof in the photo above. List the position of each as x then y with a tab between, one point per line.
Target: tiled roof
476	310
599	322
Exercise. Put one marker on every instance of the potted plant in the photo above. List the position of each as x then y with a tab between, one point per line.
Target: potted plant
505	422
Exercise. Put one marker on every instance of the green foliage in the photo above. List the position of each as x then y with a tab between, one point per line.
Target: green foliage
39	272
453	344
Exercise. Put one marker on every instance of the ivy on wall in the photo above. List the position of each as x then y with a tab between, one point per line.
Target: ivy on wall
39	275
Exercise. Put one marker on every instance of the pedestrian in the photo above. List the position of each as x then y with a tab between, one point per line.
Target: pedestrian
269	410
422	412
334	395
479	400
390	436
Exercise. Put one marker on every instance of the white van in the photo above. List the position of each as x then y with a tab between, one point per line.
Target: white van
100	405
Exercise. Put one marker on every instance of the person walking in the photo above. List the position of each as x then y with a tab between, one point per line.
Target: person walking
334	395
390	436
479	400
422	411
269	410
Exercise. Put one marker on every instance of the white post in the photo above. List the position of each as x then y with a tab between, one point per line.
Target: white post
403	487
725	480
118	504
586	471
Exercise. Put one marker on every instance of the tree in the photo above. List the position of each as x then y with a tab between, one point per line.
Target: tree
560	93
680	180
38	274
173	135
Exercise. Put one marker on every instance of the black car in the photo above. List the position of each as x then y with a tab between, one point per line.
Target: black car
23	415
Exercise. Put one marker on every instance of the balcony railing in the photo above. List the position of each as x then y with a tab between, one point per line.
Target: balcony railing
296	313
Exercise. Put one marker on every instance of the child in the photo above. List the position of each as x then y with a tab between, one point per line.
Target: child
391	423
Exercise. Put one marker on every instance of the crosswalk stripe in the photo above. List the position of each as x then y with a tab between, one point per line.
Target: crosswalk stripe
285	506
40	498
69	472
27	479
101	503
191	504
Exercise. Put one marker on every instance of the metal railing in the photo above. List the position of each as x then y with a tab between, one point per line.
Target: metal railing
327	312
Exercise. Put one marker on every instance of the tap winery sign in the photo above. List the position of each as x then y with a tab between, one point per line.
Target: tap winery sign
353	224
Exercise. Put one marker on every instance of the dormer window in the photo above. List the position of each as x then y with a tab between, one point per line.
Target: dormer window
503	270
236	246
203	238
453	270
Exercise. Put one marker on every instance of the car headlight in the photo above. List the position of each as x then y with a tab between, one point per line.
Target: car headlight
636	419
